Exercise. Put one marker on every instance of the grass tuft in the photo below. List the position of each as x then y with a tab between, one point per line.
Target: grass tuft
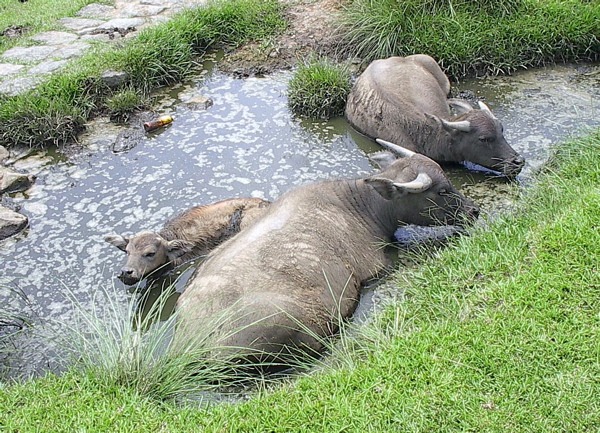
122	104
117	345
319	89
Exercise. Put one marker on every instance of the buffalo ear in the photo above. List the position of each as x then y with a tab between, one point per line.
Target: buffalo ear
460	106
177	248
118	241
385	187
383	159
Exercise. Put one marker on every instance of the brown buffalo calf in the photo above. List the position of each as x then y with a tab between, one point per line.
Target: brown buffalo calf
191	234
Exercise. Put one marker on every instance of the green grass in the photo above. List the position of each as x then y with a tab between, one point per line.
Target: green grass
498	332
319	89
36	16
471	37
121	104
56	111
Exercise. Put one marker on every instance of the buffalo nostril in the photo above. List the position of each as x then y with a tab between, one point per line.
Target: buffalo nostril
127	272
519	161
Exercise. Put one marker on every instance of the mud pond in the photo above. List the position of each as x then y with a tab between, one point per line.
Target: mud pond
246	144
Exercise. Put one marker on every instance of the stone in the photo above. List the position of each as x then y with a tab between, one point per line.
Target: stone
114	79
4	153
95	10
13	181
198	102
9	69
55	38
128	139
72	50
29	54
15	86
121	24
134	10
11	222
79	24
101	37
47	67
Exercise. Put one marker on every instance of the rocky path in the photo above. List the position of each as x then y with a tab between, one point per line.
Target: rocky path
23	67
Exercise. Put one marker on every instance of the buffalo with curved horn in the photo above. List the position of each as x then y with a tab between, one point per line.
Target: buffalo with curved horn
404	100
287	279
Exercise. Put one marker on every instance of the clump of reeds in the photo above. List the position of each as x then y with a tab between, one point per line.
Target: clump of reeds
319	88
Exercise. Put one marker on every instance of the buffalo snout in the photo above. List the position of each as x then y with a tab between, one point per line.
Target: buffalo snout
471	211
514	167
128	276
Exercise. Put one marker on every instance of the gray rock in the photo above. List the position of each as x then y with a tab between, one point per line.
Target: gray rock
4	153
79	24
15	86
121	24
9	69
55	38
47	67
114	79
12	181
101	37
73	50
152	2
95	10
134	10
11	222
29	54
198	102
128	139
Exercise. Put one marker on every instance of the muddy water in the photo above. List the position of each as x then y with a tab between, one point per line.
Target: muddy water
246	144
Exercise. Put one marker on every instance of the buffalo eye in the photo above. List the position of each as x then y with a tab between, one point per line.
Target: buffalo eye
486	139
443	192
149	254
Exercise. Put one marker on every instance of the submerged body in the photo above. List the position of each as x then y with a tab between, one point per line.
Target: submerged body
286	280
404	100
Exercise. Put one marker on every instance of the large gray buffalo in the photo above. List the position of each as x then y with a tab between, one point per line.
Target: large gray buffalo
404	100
287	279
191	234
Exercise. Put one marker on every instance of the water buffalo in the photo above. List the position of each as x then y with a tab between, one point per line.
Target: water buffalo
191	234
285	280
404	100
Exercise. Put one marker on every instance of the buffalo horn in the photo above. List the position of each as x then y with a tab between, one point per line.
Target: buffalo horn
421	183
462	125
486	109
399	150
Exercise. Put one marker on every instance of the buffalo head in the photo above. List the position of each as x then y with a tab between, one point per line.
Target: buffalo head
427	193
147	252
478	137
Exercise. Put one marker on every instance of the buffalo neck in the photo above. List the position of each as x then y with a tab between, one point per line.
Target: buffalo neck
433	140
361	200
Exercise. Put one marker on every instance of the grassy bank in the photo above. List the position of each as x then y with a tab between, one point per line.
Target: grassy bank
474	37
498	332
56	110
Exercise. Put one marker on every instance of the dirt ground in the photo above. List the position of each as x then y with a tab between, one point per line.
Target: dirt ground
311	29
